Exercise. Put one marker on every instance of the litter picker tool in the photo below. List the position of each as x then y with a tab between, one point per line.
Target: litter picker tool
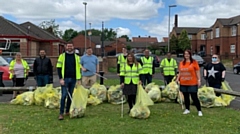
97	74
122	104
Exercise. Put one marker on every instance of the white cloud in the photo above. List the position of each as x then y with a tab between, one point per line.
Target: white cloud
199	13
97	10
123	31
63	25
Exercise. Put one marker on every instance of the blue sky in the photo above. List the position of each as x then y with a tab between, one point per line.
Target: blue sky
130	17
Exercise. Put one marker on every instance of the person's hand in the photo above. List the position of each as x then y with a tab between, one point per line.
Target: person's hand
62	82
84	69
118	74
223	79
199	83
122	85
140	82
79	82
162	74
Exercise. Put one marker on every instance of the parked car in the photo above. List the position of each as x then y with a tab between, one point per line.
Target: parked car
236	68
199	59
30	62
202	53
4	67
156	58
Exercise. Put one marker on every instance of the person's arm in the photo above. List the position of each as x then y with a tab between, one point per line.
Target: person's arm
59	70
223	72
153	67
50	67
97	65
162	66
198	73
35	67
141	61
118	65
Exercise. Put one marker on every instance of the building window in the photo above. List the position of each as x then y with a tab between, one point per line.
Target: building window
217	32
203	36
232	49
190	37
211	34
234	30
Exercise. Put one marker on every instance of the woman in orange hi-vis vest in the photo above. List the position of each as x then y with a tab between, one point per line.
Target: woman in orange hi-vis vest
189	79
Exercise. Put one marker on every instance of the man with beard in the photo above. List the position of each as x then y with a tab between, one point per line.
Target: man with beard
68	66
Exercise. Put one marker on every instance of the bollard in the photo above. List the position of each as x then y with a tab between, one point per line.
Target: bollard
101	79
1	81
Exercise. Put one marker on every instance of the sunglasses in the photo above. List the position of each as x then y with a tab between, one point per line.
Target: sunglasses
214	57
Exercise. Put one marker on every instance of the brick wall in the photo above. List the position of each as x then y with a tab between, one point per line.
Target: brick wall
23	47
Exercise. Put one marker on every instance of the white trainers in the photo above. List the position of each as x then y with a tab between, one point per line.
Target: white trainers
186	111
200	113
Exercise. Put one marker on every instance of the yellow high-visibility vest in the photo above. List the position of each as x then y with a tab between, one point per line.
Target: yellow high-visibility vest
12	64
61	64
147	65
132	73
168	67
121	61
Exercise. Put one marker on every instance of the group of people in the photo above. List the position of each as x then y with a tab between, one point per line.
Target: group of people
73	69
19	71
187	75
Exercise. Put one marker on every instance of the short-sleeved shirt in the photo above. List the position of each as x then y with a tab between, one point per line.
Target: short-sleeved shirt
214	73
19	70
90	63
188	74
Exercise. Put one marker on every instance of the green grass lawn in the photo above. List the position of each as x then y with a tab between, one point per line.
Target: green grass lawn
114	81
165	118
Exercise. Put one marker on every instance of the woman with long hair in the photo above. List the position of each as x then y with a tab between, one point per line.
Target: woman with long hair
214	73
189	80
18	72
132	76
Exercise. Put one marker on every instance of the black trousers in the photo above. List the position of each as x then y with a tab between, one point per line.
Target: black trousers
131	101
146	79
18	82
168	79
194	98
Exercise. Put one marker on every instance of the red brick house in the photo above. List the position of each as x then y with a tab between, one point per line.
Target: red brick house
28	38
223	37
94	41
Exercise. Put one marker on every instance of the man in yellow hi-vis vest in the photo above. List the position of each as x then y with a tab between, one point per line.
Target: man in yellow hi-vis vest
168	68
148	71
68	67
121	61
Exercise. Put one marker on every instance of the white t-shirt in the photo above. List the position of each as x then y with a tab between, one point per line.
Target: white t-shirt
19	70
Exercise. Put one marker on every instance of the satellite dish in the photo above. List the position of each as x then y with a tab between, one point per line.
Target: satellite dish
98	46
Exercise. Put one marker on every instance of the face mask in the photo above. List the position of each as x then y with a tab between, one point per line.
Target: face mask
214	60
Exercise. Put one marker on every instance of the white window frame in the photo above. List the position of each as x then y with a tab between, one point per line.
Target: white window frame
203	36
189	36
217	32
211	35
234	30
232	48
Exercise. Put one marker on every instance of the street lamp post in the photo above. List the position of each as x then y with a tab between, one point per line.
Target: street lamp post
85	41
102	38
89	34
169	8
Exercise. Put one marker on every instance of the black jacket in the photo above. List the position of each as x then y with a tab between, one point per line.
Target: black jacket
42	66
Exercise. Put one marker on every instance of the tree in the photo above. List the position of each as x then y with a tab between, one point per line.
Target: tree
153	47
127	38
69	34
174	43
183	41
128	47
109	34
95	32
51	27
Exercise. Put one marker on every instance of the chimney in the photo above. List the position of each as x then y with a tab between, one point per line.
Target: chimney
176	21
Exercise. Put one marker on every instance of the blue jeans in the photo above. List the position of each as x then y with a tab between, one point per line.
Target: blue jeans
42	80
146	78
68	87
